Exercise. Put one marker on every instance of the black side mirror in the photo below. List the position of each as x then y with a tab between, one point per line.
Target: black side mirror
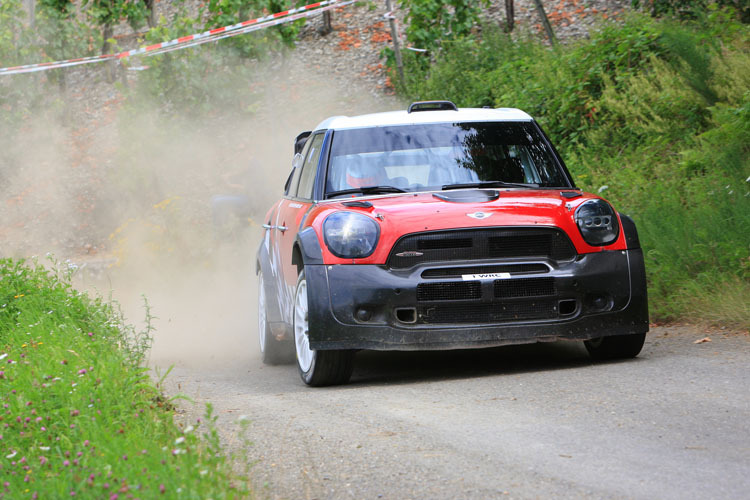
300	141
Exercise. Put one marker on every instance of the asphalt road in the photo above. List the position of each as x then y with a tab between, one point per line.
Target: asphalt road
536	421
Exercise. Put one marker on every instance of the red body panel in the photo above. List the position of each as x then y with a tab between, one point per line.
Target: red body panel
408	213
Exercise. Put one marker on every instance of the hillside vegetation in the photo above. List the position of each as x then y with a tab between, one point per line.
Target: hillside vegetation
654	114
80	415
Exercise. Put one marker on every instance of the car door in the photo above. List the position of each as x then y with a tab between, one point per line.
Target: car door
290	217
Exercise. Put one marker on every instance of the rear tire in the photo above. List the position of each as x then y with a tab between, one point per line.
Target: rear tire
615	346
316	368
272	351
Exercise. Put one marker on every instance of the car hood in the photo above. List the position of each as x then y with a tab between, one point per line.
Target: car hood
414	212
407	213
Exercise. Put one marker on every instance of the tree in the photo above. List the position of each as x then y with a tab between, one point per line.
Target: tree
107	13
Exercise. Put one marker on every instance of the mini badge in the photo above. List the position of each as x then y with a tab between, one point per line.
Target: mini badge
480	215
409	254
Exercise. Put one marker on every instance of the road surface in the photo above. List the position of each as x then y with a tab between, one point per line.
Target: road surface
535	421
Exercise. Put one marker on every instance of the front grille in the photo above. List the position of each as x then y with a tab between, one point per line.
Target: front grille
530	287
457	290
521	245
443	244
455	272
517	310
479	244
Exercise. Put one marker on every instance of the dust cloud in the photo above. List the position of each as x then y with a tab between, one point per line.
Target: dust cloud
144	204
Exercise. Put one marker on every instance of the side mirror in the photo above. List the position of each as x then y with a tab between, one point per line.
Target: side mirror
300	141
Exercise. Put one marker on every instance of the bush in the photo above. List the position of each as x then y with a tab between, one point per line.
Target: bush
81	416
657	111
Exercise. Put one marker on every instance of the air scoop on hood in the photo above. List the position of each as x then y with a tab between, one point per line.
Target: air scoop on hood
469	195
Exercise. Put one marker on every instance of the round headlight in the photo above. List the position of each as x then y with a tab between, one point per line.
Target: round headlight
597	222
350	235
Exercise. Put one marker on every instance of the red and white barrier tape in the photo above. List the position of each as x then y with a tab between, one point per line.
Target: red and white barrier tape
253	27
190	40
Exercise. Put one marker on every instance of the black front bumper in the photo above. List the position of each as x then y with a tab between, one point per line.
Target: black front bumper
372	307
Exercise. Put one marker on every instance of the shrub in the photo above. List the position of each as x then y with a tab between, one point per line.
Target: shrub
81	416
654	109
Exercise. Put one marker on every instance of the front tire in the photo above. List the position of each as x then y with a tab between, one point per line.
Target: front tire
316	368
272	351
615	346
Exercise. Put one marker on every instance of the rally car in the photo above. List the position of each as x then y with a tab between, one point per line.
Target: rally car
441	228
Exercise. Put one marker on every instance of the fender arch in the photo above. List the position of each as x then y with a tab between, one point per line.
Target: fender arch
631	233
308	251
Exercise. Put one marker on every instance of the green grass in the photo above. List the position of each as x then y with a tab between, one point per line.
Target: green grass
80	415
656	110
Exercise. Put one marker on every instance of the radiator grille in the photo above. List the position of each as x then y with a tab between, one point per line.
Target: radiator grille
517	310
530	287
478	244
457	290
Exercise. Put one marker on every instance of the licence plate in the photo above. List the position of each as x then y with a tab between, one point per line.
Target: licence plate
485	276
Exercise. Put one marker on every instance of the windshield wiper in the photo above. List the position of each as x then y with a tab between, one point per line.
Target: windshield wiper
366	190
488	184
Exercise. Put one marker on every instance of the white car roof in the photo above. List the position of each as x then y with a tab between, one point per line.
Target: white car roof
419	117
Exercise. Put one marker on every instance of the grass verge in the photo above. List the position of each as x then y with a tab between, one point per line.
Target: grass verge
80	416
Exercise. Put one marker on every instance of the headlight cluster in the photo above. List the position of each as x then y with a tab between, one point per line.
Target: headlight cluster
597	222
350	235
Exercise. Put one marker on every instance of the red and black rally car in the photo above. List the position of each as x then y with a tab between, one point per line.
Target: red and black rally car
441	228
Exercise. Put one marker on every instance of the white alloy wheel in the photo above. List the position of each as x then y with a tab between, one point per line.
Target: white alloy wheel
305	355
261	313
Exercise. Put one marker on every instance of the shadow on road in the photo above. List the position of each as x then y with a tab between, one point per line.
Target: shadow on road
376	368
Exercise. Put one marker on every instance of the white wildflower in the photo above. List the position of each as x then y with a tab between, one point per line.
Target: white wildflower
603	188
44	448
3	356
12	455
188	429
203	472
179	440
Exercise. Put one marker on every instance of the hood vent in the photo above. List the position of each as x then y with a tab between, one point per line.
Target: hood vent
468	196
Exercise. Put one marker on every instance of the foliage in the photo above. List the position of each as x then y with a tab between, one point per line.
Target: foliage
60	34
204	78
256	44
432	22
81	415
19	44
690	9
107	13
656	110
15	35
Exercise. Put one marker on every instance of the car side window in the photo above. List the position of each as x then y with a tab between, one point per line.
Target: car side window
310	168
293	180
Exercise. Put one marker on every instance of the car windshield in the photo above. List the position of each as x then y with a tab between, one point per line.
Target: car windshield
438	156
